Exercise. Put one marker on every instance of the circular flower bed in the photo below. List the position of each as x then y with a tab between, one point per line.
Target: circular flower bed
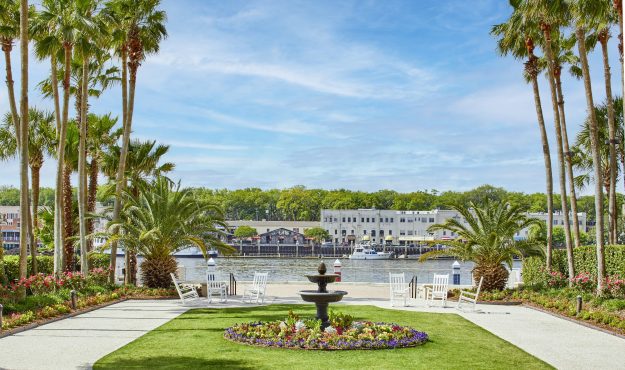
307	334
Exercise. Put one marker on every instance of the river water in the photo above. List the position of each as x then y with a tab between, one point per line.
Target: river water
293	270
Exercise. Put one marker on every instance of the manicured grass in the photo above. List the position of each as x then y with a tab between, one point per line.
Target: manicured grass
195	340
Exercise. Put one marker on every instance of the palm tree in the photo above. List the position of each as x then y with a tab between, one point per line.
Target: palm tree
563	54
100	138
162	219
487	238
40	145
57	27
516	37
23	141
142	164
581	12
70	165
140	29
603	19
550	16
9	32
582	157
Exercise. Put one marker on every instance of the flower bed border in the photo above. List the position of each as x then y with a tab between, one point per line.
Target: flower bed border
251	342
41	322
587	323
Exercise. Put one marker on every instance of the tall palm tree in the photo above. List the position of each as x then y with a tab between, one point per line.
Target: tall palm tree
142	164
563	55
140	29
581	12
517	37
603	19
40	145
549	14
487	238
58	24
162	219
23	141
9	32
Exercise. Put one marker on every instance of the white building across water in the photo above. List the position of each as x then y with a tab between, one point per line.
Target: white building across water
402	227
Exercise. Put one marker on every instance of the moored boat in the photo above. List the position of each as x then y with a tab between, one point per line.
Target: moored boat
363	252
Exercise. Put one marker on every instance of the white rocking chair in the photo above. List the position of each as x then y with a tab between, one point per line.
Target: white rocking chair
399	289
215	286
438	290
185	291
257	290
470	297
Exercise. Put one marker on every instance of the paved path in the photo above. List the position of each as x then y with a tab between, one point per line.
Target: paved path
78	342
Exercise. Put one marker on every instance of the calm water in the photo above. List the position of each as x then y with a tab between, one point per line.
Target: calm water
282	270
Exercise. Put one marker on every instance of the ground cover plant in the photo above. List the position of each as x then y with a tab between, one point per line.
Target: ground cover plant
195	340
343	333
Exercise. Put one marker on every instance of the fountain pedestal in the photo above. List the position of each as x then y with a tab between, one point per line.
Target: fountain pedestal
322	297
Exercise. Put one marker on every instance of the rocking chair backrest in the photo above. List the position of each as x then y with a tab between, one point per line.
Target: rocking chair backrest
440	283
479	287
260	280
398	281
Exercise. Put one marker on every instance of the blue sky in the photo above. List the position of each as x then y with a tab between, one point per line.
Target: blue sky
366	95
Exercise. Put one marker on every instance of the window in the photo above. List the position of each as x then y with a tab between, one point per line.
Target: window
336	232
401	219
335	219
392	219
410	220
402	232
372	232
364	232
362	219
367	219
352	231
343	219
444	232
385	219
424	220
390	232
349	219
343	232
373	219
409	232
431	219
381	232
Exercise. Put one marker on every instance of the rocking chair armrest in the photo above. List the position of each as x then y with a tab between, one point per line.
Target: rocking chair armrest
470	294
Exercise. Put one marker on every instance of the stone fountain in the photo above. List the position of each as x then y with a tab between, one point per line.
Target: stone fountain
321	297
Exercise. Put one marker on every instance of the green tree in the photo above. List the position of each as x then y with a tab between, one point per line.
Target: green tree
162	219
317	234
487	239
245	231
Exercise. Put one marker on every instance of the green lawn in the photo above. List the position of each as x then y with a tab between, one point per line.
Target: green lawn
195	340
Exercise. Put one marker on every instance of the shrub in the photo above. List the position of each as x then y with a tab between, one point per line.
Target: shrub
98	276
555	279
584	282
99	260
45	265
615	286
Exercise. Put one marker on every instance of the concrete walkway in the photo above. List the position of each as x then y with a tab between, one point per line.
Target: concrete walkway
80	341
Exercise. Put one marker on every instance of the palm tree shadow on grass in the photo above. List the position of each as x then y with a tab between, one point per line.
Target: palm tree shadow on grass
174	362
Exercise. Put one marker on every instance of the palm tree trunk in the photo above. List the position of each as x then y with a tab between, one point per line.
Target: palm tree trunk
7	46
119	178
68	216
55	92
34	175
60	223
562	173
24	205
567	153
580	34
91	198
82	170
547	157
612	211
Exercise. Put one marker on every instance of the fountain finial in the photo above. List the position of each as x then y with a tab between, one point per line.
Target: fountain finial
322	269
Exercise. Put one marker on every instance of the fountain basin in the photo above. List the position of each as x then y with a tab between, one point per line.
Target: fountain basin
317	297
330	278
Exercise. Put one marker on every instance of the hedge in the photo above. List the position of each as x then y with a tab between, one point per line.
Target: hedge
584	260
45	264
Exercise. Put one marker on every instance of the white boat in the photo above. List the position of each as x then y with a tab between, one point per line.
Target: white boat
363	252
